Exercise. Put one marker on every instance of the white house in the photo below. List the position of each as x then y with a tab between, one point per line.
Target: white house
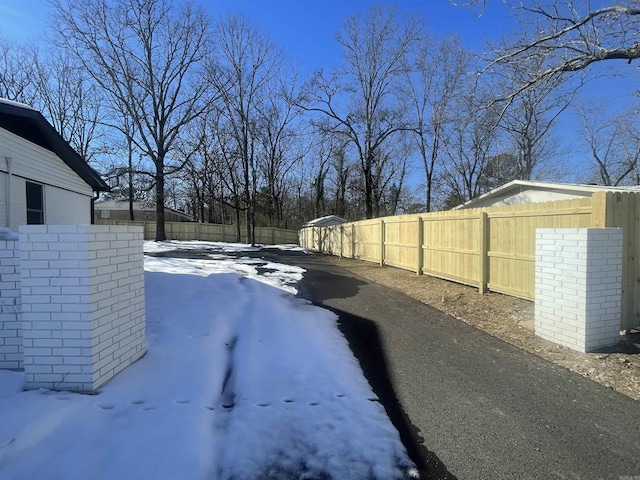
519	192
43	180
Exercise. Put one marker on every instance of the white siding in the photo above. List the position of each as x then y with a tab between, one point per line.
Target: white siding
18	202
67	197
62	207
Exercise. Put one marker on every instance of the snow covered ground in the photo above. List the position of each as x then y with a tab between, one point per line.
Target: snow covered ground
242	380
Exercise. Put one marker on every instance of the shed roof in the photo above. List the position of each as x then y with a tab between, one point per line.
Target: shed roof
325	221
516	187
30	124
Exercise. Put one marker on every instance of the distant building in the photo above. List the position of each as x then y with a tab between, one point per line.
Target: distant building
519	192
118	209
327	221
43	180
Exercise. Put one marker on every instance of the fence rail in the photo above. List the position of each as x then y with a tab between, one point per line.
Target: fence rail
210	232
489	248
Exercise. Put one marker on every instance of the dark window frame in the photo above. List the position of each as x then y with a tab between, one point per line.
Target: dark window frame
35	203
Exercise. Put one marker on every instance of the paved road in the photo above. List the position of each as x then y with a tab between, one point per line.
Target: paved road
470	406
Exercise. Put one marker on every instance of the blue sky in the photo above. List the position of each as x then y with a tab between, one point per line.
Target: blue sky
304	28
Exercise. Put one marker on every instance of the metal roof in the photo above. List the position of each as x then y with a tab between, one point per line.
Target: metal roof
30	124
325	221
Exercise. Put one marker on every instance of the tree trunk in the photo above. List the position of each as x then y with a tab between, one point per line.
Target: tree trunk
247	221
368	193
201	207
238	231
130	178
160	233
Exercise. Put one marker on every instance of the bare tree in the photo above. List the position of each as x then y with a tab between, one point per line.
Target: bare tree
246	63
280	135
571	35
390	171
500	169
50	81
472	144
318	166
359	101
145	55
431	90
17	72
614	144
119	119
630	145
69	99
342	171
530	116
319	186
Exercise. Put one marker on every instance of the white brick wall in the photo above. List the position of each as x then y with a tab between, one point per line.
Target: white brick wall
10	321
82	303
578	286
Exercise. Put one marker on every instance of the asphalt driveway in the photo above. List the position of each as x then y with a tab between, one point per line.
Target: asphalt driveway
468	405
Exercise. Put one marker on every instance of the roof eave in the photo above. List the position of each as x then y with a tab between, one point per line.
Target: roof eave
56	144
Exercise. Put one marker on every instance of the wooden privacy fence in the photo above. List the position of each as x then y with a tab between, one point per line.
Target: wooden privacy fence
489	248
210	232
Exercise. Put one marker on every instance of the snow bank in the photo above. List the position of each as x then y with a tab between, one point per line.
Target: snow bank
241	380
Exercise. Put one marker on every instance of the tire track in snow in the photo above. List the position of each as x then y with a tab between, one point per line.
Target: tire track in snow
228	393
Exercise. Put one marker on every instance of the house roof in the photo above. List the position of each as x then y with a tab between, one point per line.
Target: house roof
325	221
30	124
519	187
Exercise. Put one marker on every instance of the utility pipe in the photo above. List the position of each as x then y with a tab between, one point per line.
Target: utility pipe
93	207
8	160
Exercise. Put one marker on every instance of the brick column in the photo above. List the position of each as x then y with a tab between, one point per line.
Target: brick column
83	305
578	286
10	319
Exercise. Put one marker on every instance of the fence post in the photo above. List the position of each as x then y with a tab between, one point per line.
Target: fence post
341	240
381	241
95	318
569	261
483	257
420	249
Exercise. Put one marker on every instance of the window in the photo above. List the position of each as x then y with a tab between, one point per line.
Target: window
35	204
105	213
